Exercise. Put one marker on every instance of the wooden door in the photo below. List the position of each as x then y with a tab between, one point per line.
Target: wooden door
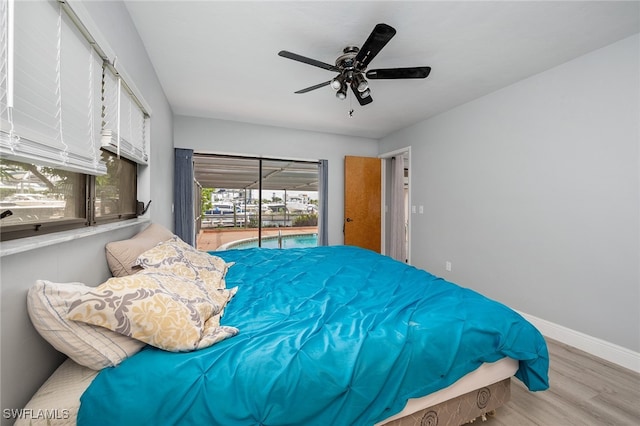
362	202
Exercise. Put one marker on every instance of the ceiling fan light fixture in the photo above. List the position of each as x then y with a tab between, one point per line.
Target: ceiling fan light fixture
342	92
366	92
360	82
336	83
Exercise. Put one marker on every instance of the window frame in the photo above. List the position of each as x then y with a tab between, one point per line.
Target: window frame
86	199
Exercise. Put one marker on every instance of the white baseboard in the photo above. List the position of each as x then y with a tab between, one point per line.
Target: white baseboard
592	345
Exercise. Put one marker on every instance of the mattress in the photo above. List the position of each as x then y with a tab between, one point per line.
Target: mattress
57	401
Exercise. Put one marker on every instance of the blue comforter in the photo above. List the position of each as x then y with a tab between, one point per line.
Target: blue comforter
328	336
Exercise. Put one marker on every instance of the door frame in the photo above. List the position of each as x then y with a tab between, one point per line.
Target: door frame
386	178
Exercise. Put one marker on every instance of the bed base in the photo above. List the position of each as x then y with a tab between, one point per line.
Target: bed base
461	410
60	396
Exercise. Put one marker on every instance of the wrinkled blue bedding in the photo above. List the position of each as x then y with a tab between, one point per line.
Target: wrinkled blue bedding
328	336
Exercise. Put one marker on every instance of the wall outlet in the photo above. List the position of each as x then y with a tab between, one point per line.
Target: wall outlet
447	266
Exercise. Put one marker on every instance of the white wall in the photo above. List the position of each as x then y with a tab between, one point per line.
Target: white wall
230	137
26	359
532	193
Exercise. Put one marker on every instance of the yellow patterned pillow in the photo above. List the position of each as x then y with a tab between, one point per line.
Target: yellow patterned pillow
180	258
162	309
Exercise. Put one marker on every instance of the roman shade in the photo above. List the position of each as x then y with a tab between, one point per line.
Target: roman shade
4	34
125	125
50	89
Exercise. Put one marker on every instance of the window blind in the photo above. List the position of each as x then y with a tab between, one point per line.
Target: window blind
54	113
4	66
82	100
124	124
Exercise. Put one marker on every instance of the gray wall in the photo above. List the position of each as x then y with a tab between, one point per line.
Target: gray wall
25	358
532	193
230	137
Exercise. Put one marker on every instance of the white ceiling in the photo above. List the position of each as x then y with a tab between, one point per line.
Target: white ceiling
220	59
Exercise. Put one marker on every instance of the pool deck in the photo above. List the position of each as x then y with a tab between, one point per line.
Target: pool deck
211	239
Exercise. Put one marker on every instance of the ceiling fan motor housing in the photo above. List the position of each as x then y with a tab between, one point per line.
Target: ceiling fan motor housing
350	74
347	60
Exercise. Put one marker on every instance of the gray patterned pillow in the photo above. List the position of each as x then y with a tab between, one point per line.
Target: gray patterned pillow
180	258
165	310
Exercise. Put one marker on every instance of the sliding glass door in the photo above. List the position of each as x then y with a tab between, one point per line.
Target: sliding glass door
256	202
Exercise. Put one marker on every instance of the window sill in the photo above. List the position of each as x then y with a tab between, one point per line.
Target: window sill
21	245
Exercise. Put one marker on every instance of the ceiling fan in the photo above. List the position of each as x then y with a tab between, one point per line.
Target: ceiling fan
351	67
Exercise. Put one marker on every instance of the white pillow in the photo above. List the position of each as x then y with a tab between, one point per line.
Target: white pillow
89	345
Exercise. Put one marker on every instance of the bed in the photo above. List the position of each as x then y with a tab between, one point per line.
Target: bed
328	335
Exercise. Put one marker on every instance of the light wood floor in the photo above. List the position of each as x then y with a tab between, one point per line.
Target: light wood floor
584	390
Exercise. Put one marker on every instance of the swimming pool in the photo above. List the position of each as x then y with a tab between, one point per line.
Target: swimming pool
288	241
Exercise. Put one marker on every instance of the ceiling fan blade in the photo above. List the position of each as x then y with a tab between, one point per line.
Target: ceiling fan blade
378	38
363	100
317	86
306	60
392	73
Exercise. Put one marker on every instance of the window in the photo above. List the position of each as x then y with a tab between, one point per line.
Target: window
72	131
259	198
36	200
115	192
